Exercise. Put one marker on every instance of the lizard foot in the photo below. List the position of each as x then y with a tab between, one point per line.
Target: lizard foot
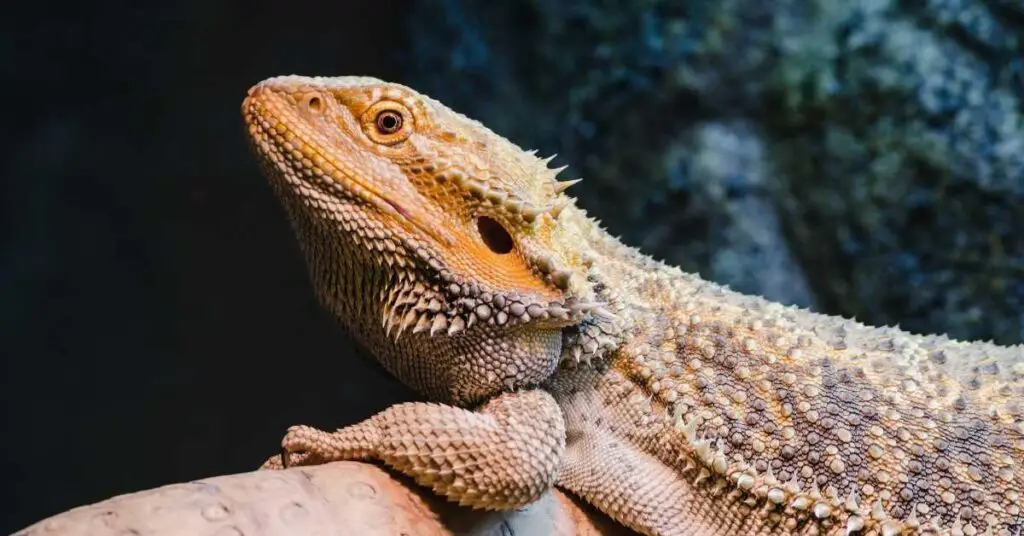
504	455
305	445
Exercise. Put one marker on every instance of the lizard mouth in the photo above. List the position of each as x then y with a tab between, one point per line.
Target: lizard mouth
287	142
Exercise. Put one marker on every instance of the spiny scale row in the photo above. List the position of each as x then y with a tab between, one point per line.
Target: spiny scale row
459	307
512	203
545	265
747	485
543	262
591	339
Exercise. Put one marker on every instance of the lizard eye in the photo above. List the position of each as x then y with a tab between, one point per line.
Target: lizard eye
389	122
494	235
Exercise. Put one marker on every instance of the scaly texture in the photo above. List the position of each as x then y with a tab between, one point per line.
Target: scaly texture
508	451
457	259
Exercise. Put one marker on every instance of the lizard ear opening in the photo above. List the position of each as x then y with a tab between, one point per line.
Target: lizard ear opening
494	235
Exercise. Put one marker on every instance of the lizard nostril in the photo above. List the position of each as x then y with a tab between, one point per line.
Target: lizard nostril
494	235
314	103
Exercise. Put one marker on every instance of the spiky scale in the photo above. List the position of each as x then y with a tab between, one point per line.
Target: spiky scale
437	324
556	209
456	325
562	186
422	323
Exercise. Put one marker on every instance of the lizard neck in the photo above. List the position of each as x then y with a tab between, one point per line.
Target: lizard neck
642	292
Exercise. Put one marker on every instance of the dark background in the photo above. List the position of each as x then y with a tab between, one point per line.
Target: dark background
156	323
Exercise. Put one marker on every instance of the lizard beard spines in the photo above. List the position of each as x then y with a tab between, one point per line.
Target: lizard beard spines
599	335
591	339
447	306
430	298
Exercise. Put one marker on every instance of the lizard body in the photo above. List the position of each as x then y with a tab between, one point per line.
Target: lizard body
552	354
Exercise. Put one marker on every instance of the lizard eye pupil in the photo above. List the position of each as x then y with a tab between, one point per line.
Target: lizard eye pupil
494	235
389	122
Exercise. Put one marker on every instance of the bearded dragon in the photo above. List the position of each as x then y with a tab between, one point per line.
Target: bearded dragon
551	354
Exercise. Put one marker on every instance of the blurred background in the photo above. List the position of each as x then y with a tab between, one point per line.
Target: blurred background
156	324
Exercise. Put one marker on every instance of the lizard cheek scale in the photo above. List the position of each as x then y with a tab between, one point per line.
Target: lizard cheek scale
552	354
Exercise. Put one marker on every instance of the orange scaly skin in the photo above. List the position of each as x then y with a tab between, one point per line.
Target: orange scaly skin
554	355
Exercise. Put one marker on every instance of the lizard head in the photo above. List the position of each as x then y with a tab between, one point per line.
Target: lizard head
439	244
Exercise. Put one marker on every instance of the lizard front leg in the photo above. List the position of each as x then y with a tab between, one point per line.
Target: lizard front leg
502	456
